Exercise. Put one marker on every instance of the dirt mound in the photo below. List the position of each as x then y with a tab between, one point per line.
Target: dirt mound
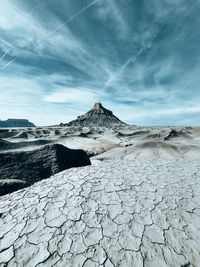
23	135
7	133
175	134
144	150
156	144
153	136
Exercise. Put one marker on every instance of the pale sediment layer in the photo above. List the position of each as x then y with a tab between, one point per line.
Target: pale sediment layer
118	213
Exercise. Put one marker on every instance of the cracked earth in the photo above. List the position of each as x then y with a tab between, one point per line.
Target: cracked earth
118	213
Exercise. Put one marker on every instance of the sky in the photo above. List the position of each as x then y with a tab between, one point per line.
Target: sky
139	58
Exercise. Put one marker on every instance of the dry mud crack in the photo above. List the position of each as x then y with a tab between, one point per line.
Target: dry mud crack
119	213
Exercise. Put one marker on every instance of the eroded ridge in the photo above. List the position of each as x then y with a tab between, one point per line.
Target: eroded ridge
120	213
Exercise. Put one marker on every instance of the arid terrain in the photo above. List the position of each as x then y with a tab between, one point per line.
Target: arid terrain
127	141
137	205
119	213
99	133
100	196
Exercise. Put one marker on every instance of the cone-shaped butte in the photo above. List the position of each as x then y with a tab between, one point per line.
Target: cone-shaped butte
98	116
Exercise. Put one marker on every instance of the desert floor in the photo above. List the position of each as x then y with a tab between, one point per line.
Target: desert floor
137	205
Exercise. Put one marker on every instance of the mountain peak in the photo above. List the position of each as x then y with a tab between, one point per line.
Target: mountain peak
98	116
97	106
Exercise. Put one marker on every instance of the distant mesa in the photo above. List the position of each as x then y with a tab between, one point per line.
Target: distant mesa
16	123
98	116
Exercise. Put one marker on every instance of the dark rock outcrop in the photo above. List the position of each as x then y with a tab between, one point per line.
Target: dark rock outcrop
3	144
16	123
98	116
175	134
10	185
38	164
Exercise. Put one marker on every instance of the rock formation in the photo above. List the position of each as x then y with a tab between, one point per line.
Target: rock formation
16	123
10	185
35	165
98	116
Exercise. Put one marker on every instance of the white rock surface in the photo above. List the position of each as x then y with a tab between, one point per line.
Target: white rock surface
118	213
114	142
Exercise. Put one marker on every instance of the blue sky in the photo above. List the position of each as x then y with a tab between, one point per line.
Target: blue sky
140	58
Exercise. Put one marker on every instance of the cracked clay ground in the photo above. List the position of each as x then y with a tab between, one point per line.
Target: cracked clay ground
119	213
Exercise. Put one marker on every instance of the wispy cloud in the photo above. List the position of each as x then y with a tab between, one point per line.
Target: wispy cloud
72	95
140	58
7	64
70	19
109	10
114	77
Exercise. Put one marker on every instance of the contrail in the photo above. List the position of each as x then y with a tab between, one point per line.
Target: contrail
4	55
123	67
8	64
131	59
70	19
57	28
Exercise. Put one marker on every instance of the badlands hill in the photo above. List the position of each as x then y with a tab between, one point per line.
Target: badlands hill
98	116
